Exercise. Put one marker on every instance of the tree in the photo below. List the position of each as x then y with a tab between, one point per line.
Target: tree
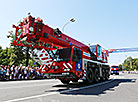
4	58
130	62
14	56
120	67
17	54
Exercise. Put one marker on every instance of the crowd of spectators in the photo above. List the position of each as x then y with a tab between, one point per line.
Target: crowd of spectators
19	72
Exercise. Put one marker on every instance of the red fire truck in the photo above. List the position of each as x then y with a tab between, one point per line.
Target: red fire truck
59	55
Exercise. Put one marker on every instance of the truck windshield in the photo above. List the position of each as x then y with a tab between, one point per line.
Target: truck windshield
63	54
114	66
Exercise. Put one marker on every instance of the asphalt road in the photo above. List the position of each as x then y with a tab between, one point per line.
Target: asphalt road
122	88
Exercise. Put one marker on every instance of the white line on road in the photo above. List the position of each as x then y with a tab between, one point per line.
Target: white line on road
36	96
24	86
31	97
29	81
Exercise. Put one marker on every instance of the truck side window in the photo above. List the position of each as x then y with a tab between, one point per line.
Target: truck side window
76	55
99	50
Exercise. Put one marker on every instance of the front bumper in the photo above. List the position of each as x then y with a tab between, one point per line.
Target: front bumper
67	75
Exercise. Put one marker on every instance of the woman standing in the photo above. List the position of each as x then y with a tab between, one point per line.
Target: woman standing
7	73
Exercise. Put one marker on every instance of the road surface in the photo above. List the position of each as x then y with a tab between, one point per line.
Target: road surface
122	88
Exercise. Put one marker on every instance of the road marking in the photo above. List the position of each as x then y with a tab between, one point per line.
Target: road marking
85	87
53	93
31	97
24	86
29	81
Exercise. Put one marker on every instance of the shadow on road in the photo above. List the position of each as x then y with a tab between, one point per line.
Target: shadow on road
96	90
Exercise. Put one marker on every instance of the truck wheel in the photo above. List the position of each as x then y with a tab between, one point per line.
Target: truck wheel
103	75
89	76
96	75
65	81
107	75
75	80
117	73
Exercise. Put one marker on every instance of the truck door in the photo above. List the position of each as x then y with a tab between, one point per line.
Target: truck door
77	58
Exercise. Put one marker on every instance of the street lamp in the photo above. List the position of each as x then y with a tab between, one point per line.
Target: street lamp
71	20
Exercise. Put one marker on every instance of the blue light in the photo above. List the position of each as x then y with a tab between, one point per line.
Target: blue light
70	44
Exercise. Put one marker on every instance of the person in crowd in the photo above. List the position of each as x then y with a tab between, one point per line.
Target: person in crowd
12	70
1	72
25	73
19	72
7	73
4	73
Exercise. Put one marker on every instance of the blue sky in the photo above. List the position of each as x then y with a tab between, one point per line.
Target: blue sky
110	23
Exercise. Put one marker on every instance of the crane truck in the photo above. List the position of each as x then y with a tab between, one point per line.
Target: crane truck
59	55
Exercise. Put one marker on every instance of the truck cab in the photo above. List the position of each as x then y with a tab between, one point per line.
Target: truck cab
66	64
114	70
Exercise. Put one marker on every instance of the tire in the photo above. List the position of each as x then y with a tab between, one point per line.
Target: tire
107	74
117	73
75	80
103	78
65	81
89	76
96	75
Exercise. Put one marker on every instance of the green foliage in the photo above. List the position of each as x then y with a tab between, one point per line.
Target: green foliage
120	67
31	63
4	58
11	35
130	64
14	56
